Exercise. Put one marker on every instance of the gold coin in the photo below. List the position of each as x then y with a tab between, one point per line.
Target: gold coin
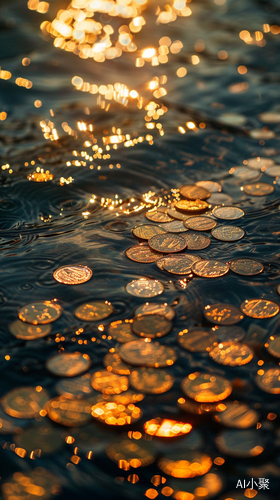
230	354
222	314
150	354
121	331
269	117
94	311
194	192
133	453
68	364
146	231
25	402
211	186
30	484
69	412
10	425
240	443
206	387
229	333
154	308
72	275
246	267
163	427
228	213
173	258
156	216
273	171
259	163
108	382
172	212
114	364
192	206
75	388
26	331
196	340
200	223
113	413
176	226
181	265
258	189
40	313
244	173
259	308
145	287
273	345
41	439
151	380
228	233
197	241
237	415
142	253
151	326
210	268
185	464
220	199
168	243
268	380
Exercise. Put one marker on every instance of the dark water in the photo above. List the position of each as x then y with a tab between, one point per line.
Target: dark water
42	225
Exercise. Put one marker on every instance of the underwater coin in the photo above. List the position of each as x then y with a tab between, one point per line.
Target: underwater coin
114	364
95	310
200	223
196	340
114	413
145	287
240	443
231	354
108	382
185	463
232	119
168	243
197	241
154	308
142	253
259	308
26	485
228	213
222	314
25	331
273	171
25	402
156	216
260	133
259	163
192	206
151	380
229	333
258	189
78	387
146	231
211	186
273	345
268	380
210	268
41	439
246	267
269	117
72	275
244	173
151	326
194	192
206	387
237	415
69	412
121	331
133	453
166	428
68	364
228	233
40	313
150	354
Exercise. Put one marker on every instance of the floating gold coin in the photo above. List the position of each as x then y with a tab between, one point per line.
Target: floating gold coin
185	464
146	231
69	412
176	226
259	308
196	340
206	387
229	333
244	173
150	354
228	233
259	163
222	314
237	415
26	331
142	253
109	383
121	331
41	439
246	267
79	387
156	216
230	354
240	443
172	212
113	413
114	364
200	223
168	243
228	213
194	192
134	453
72	275
40	313
258	189
211	186
30	484
163	427
25	402
273	171
151	380
273	345
68	364
154	308
94	311
173	258
151	326
197	241
210	268
145	287
182	265
220	199
192	206
268	380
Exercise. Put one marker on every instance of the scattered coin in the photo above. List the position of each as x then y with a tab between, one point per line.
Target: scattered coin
162	427
108	382
11	425
196	241
268	380
231	354
121	331
151	326
273	345
228	233
114	413
142	253
258	189
220	199
41	439
156	216
194	192
246	267
206	387
150	354
146	231
270	117
133	453
145	287
196	340
200	223
259	308
151	380
69	412
176	215
78	387
222	314
26	331
228	213
94	311
154	308
168	243
114	364
176	226
68	364
40	313
232	119
259	163
237	415
229	333
185	464
212	187
244	173
26	485
25	402
192	206
210	268
240	443
72	275
273	171
260	133
182	265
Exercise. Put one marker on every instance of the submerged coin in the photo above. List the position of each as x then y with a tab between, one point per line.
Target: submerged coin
244	173
121	331
154	308
176	226
25	402
26	331
192	206
194	192
94	311
168	243
151	380
146	231
200	223
196	340
269	117
268	380
237	415
11	425
28	485
273	345
142	253
69	412
228	233
68	364
260	133
230	354
197	241
220	199
273	171
114	364
206	387
145	287
229	333
78	387
114	413
228	213
240	443
259	162
222	314
246	267
72	275
41	439
185	463
176	215
150	354
232	119
259	308
40	313
156	216
151	326
108	382
133	453
211	186
210	268
258	189
182	265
